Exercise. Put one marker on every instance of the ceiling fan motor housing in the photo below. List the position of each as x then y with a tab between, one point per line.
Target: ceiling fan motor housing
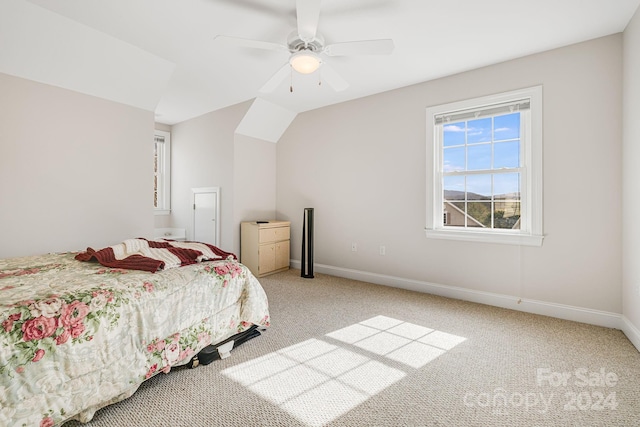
296	44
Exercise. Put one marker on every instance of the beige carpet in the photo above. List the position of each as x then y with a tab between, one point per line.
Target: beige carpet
347	353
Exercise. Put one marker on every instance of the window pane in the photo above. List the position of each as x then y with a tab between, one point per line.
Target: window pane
479	187
156	155
155	158
162	170
479	157
455	214
506	127
507	215
479	130
506	186
454	187
479	214
453	159
454	134
155	191
506	155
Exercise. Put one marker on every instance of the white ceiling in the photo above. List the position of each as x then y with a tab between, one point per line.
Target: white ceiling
160	54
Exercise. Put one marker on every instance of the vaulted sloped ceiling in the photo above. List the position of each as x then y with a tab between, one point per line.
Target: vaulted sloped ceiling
160	55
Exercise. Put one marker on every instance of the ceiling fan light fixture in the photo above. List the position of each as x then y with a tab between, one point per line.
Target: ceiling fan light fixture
305	61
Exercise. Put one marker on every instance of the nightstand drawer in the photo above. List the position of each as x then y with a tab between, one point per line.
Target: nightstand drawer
275	234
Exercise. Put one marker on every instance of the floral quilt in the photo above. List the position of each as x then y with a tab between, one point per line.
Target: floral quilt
77	336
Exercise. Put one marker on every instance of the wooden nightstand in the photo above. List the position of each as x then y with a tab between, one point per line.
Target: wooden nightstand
264	246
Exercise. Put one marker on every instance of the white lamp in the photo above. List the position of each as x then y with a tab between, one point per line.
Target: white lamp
305	61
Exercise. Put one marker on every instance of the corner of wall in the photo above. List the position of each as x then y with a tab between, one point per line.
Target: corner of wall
631	332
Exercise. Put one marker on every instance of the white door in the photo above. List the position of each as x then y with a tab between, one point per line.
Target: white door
206	213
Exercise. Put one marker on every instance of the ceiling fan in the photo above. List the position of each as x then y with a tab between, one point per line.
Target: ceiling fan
306	47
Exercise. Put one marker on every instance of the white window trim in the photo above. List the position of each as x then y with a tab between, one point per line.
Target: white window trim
531	191
165	196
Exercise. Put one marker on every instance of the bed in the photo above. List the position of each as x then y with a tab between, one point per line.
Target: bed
77	336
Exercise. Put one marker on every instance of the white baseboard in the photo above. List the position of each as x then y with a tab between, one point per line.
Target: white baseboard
630	331
561	311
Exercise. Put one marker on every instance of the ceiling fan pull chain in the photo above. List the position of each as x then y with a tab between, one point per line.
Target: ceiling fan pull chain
291	81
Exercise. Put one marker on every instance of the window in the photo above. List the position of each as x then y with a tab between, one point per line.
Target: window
486	157
162	173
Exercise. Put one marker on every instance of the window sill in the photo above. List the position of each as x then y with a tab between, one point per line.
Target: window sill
161	211
486	237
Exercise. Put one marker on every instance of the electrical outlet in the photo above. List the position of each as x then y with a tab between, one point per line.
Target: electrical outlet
354	247
383	250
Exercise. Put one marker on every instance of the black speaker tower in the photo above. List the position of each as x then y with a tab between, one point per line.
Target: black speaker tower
306	269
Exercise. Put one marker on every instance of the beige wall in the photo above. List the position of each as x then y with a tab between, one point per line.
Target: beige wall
207	153
361	165
74	169
631	174
162	127
254	182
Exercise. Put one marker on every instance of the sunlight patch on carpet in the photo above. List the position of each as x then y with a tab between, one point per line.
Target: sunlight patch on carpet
404	342
316	381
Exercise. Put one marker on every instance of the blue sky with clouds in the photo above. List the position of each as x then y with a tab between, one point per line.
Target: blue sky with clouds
490	143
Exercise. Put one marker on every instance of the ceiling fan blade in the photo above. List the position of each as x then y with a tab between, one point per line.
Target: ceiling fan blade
329	75
363	47
308	12
275	80
256	44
